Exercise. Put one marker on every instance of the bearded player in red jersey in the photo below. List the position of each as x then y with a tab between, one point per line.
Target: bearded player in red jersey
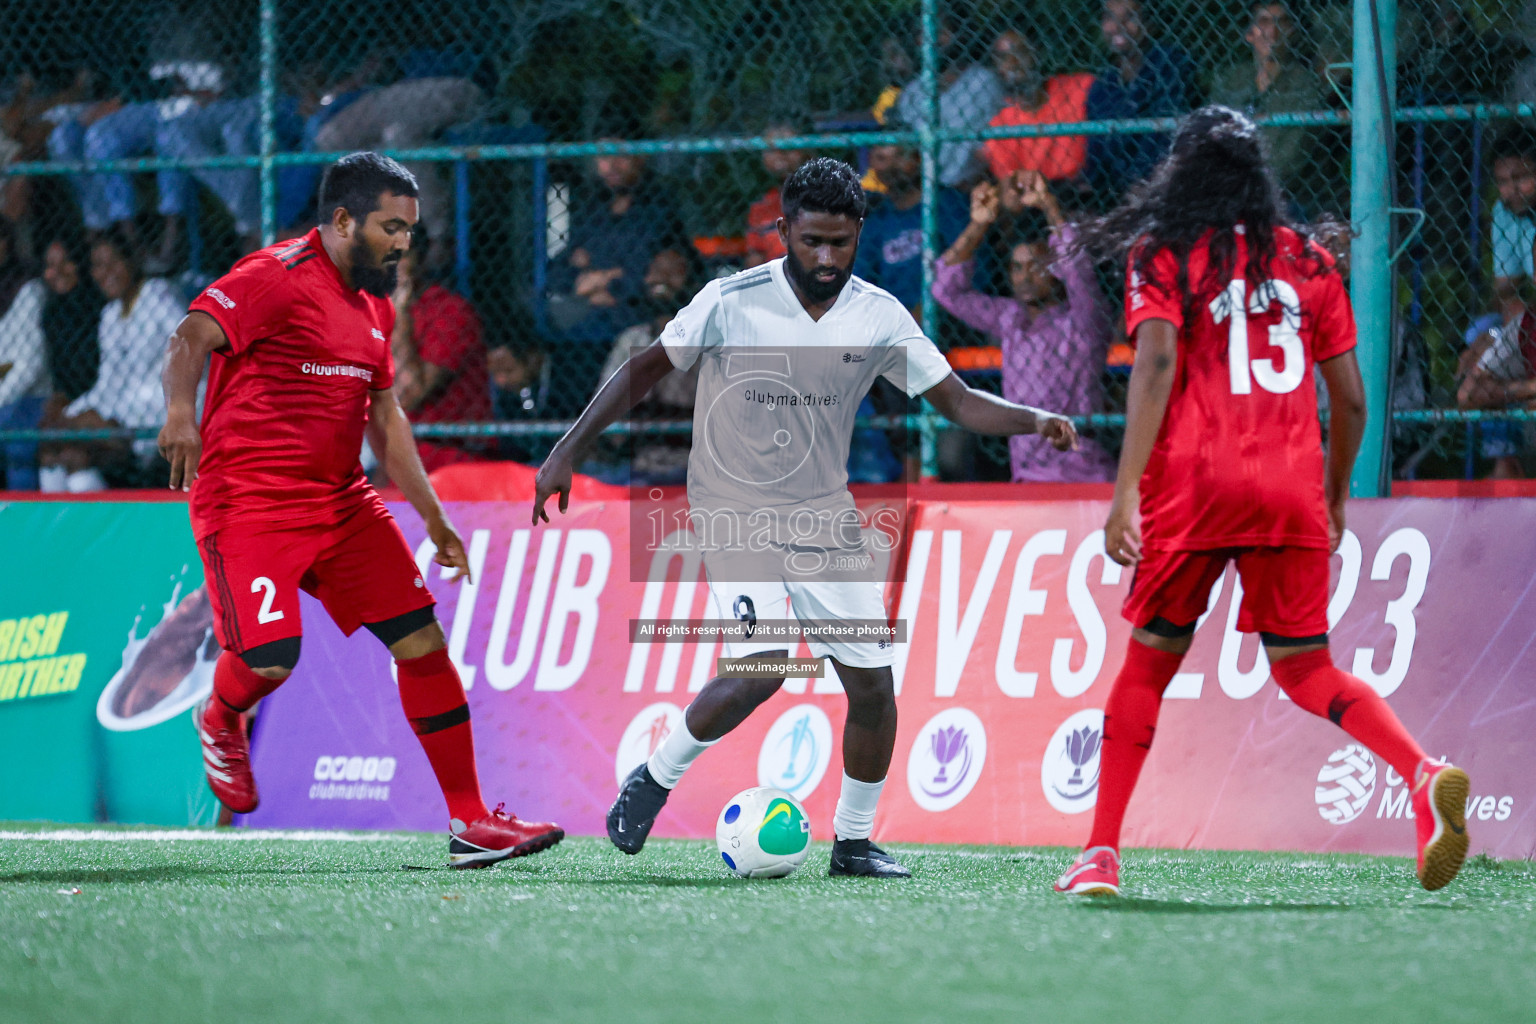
1230	308
298	336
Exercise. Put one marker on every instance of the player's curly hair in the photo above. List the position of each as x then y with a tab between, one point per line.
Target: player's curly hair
1215	177
823	185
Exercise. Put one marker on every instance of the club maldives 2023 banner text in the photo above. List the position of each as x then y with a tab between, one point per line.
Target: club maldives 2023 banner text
1014	638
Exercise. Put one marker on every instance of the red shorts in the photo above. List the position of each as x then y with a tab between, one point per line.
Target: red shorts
361	569
1285	590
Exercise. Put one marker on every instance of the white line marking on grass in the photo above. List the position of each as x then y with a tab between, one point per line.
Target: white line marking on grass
81	835
976	854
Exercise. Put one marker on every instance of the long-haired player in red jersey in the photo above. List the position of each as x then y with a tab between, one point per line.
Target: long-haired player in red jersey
1230	307
297	340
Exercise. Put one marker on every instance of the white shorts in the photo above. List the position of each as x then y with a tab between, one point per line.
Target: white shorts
781	600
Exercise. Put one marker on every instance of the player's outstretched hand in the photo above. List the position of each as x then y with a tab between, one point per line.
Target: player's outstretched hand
450	548
554	477
1122	537
182	447
1058	430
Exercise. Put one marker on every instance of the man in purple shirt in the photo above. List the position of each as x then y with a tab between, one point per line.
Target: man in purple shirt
1054	331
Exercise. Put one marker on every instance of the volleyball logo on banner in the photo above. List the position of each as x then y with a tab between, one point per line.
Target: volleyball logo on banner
1345	784
797	751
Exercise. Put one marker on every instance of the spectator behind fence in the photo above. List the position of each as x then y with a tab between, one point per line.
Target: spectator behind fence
969	94
1034	99
1513	161
897	68
440	372
763	242
891	244
71	318
1501	374
619	222
670	282
48	353
520	380
437	92
178	109
1054	331
139	316
26	121
1143	78
23	361
1276	80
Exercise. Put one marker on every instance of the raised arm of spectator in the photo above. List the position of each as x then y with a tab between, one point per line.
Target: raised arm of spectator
952	277
195	338
1072	265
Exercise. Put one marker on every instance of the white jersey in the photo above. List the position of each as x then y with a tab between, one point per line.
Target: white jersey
778	391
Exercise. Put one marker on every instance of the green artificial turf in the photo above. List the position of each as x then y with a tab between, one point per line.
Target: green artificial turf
338	931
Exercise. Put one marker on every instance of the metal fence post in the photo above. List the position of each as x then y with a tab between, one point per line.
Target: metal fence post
928	137
268	121
1373	84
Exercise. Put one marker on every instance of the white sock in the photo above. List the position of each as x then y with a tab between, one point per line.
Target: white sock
85	480
52	479
676	753
855	814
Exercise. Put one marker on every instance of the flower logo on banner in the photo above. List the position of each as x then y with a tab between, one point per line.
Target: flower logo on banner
797	751
949	744
1069	772
1345	784
645	733
946	760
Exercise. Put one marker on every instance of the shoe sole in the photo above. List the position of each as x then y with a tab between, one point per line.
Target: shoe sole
485	858
1447	848
1091	889
873	874
625	849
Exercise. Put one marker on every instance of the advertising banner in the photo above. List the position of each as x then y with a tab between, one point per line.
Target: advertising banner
105	642
1012	613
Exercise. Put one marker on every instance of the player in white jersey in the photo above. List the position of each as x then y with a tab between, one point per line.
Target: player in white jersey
786	353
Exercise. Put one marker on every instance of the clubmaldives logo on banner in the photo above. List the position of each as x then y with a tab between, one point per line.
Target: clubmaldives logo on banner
1015	636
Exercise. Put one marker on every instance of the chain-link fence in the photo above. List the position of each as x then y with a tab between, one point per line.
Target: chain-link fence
586	164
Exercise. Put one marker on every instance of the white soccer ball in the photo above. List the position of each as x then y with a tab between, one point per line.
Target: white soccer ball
763	833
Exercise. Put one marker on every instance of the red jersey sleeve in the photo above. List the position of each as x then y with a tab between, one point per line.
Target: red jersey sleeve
446	330
1333	325
1149	299
249	303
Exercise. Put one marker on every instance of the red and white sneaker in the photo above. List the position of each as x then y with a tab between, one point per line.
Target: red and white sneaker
1096	872
227	761
1440	815
497	836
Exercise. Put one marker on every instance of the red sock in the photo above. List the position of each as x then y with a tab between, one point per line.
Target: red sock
235	689
1315	684
434	702
1130	719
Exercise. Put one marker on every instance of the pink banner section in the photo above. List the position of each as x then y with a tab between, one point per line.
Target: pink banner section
1015	636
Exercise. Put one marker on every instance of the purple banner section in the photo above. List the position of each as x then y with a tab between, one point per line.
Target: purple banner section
1015	637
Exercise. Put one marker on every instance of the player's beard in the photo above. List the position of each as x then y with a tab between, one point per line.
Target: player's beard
377	278
812	287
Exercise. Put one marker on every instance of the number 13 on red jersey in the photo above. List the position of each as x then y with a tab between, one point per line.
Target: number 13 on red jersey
1233	305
